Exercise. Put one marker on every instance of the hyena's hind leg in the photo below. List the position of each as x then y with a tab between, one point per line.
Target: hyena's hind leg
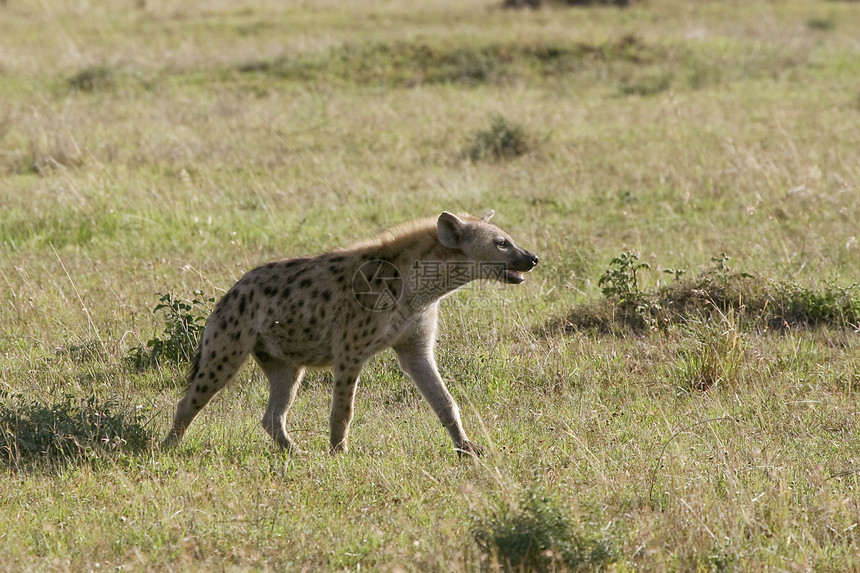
211	370
284	379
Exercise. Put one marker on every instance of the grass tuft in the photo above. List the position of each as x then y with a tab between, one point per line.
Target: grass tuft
500	141
711	352
538	534
407	64
92	79
72	429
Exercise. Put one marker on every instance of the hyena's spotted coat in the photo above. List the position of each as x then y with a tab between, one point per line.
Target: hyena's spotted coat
339	309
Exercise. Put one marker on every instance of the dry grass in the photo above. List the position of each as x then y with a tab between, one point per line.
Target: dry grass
152	147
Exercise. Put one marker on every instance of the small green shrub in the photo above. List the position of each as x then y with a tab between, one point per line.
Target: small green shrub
184	323
502	140
620	278
70	429
538	534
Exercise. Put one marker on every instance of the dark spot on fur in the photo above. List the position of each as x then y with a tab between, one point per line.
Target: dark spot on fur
326	295
307	330
197	388
238	335
336	258
305	283
312	321
212	376
286	292
224	324
322	313
341	279
194	401
213	355
204	388
220	367
242	305
225	359
268	291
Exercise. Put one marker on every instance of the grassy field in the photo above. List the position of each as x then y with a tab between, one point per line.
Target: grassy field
153	147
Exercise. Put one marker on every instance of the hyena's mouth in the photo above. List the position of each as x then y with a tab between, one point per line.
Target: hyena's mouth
513	277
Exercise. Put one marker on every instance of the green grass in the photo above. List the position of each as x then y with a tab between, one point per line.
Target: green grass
151	148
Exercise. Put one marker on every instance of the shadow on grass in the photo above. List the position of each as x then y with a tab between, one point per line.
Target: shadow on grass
72	430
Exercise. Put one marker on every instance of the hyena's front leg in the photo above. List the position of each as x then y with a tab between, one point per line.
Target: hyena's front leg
343	397
418	362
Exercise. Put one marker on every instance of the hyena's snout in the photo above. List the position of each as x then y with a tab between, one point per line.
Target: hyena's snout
523	262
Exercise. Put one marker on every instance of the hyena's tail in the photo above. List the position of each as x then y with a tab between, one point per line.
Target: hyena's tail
176	432
194	367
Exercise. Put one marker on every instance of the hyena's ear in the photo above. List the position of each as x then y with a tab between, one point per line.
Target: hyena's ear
488	216
449	230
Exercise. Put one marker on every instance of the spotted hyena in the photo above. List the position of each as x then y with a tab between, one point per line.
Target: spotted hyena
339	309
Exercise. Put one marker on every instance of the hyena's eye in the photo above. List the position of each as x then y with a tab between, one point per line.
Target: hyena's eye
503	243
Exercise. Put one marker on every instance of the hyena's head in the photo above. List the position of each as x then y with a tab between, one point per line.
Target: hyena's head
493	252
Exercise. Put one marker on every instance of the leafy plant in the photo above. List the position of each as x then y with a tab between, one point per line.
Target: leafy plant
69	429
184	323
620	278
538	534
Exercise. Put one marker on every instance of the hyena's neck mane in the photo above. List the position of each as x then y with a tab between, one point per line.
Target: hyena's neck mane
412	238
429	269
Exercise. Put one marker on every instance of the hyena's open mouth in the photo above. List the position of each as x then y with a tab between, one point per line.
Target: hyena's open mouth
514	277
526	263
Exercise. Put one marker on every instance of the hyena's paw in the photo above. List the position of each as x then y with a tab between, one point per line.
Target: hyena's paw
290	447
470	448
170	442
339	448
